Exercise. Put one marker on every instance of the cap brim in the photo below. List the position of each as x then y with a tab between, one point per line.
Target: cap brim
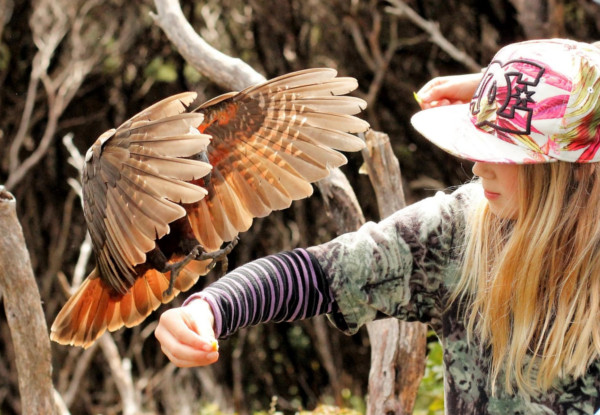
450	128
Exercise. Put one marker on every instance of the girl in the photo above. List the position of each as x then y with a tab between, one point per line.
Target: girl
506	269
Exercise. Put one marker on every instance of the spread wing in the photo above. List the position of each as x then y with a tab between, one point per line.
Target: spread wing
269	142
134	180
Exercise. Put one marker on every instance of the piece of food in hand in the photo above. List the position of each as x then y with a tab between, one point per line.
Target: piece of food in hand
417	98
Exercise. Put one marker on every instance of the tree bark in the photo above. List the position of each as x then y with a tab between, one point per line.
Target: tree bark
541	18
341	202
24	313
397	347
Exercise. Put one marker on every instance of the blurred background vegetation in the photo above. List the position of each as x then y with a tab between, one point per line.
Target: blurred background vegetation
76	68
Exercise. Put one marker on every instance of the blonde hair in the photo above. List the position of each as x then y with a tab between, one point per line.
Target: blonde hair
532	285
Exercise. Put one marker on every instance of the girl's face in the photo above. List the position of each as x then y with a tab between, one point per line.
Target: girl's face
499	183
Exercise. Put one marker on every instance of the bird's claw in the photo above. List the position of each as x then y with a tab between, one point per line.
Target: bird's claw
176	268
199	254
219	255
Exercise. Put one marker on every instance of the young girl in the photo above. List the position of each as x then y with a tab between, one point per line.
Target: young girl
506	269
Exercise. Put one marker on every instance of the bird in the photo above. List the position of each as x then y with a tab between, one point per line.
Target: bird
166	194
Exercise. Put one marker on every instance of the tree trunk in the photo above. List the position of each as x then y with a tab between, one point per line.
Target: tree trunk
23	308
397	347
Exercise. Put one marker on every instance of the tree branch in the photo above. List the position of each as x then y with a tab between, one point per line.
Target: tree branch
121	374
229	73
24	313
61	19
400	8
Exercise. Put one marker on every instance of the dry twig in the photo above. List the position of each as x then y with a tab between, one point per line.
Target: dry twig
50	23
121	374
400	8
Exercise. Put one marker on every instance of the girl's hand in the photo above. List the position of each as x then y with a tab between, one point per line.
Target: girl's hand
186	335
448	90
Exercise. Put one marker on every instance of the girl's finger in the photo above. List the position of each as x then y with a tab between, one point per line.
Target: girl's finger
190	358
184	355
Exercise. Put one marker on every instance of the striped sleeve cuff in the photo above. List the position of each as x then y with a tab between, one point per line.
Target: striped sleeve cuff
287	286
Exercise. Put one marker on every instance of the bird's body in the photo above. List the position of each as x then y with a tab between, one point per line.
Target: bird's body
168	181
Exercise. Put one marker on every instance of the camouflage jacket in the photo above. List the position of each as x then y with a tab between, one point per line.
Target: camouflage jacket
407	266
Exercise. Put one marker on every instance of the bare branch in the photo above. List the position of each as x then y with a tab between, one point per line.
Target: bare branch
77	362
359	42
383	169
382	58
76	160
121	374
227	72
62	408
49	26
341	202
400	8
85	250
78	60
59	245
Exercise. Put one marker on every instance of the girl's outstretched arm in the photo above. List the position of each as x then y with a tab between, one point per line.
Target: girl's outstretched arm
287	286
448	90
187	336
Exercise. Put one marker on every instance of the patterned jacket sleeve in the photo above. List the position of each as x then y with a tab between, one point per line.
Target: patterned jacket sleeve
402	267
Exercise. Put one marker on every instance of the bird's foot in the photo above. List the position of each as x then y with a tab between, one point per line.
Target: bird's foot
219	255
176	268
198	254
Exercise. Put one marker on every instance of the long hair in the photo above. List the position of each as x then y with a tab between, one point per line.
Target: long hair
532	285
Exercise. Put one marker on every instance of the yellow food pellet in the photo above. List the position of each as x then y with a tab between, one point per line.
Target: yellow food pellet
215	346
417	98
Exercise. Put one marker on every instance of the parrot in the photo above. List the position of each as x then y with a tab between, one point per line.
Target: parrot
166	194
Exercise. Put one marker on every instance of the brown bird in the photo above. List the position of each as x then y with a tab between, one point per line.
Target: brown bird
166	189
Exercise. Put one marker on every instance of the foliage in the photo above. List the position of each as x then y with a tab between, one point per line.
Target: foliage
81	67
430	400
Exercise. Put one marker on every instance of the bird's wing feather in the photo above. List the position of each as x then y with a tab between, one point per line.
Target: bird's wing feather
269	142
134	181
95	307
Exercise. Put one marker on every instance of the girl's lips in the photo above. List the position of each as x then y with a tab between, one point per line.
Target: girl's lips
490	195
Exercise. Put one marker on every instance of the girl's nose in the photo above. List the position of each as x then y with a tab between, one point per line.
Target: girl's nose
481	169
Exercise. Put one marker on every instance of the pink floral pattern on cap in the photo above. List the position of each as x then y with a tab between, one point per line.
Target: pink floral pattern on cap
543	96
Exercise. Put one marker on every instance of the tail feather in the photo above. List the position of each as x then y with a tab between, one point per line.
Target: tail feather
96	307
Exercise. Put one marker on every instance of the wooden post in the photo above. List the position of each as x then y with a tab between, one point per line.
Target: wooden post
24	313
397	347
